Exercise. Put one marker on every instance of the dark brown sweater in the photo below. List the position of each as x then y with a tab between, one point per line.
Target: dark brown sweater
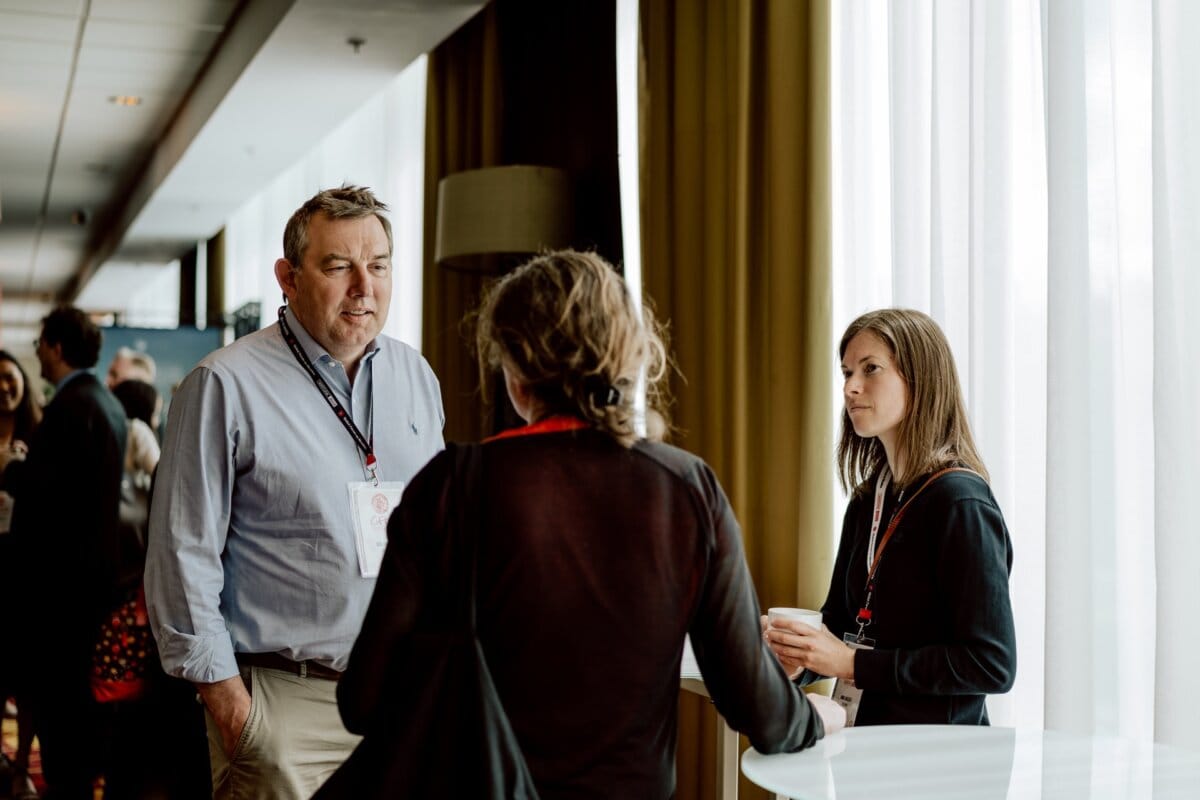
594	561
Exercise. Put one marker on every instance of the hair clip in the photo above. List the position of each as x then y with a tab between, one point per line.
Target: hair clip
606	396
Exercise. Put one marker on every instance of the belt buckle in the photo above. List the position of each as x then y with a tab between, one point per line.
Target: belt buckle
303	668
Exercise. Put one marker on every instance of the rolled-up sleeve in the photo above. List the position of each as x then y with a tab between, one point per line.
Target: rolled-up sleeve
189	521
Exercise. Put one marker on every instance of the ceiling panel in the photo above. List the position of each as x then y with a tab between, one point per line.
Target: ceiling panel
150	36
38	28
194	13
135	70
16	247
70	7
283	60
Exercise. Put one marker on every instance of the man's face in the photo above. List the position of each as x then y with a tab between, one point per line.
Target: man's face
46	356
343	288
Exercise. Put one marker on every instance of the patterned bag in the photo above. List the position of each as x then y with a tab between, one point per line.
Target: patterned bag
122	651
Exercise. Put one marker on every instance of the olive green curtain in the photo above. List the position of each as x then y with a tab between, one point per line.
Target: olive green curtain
735	191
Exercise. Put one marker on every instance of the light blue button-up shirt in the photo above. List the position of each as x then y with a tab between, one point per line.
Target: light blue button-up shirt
252	540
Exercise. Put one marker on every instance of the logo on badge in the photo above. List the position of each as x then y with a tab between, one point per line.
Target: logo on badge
380	503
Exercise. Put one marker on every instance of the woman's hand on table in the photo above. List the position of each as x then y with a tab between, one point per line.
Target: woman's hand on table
831	714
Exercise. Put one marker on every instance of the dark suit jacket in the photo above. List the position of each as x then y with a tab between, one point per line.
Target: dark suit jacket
66	498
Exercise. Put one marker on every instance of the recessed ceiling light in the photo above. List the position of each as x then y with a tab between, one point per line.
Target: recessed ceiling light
125	100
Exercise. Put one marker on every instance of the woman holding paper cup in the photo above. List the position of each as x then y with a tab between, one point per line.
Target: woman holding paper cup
918	624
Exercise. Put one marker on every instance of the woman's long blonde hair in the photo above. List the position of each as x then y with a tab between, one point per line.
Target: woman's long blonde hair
935	432
567	325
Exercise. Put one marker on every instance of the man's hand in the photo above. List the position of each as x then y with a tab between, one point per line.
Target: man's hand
229	704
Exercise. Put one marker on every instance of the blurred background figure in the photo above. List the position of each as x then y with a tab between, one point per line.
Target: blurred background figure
155	743
19	416
66	496
129	364
142	405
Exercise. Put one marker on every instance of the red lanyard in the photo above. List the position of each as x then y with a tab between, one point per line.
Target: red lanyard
864	614
555	424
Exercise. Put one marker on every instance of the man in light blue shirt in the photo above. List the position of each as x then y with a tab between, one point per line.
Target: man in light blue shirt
283	453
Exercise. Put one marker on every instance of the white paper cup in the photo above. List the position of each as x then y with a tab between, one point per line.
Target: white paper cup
806	615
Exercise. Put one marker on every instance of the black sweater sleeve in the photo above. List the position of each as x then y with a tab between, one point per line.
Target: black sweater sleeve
741	674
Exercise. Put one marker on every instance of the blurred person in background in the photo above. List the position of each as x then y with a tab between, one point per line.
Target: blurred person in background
66	495
130	365
19	417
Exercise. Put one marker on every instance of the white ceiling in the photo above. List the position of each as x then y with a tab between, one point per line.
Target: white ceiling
232	94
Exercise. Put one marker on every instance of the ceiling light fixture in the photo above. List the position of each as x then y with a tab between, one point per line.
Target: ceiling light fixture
125	100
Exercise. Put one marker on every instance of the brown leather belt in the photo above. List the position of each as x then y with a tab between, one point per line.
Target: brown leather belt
305	669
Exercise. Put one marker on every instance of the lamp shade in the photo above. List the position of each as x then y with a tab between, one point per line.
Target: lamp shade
513	210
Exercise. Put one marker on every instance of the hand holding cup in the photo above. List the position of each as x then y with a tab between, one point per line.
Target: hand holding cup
799	640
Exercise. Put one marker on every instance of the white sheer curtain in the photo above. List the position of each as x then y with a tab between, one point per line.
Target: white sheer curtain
1025	172
1176	209
382	145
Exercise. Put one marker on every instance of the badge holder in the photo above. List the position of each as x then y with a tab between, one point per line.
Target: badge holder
371	505
845	693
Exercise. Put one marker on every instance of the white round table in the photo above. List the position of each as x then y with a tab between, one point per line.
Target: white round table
927	762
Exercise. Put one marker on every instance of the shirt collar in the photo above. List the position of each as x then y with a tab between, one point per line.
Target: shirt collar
70	376
313	349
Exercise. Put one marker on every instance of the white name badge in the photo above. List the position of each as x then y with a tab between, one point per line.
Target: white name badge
6	509
370	507
845	693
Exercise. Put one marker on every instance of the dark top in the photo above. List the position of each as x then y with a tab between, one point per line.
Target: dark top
941	614
66	495
594	561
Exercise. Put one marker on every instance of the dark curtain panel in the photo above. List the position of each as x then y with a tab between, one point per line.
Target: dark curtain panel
462	131
524	82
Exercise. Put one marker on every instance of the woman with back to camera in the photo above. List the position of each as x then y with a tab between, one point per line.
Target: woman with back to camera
19	416
598	552
921	575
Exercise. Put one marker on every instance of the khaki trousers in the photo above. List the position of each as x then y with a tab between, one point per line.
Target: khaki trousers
293	739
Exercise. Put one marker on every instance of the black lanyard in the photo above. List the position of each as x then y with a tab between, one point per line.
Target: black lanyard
364	444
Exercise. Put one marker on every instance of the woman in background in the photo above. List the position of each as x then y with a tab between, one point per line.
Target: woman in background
19	416
599	551
921	576
141	403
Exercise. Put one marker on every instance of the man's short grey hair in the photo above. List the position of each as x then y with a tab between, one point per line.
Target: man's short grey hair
345	202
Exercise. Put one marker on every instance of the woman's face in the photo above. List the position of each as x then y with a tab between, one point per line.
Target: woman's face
875	393
12	387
